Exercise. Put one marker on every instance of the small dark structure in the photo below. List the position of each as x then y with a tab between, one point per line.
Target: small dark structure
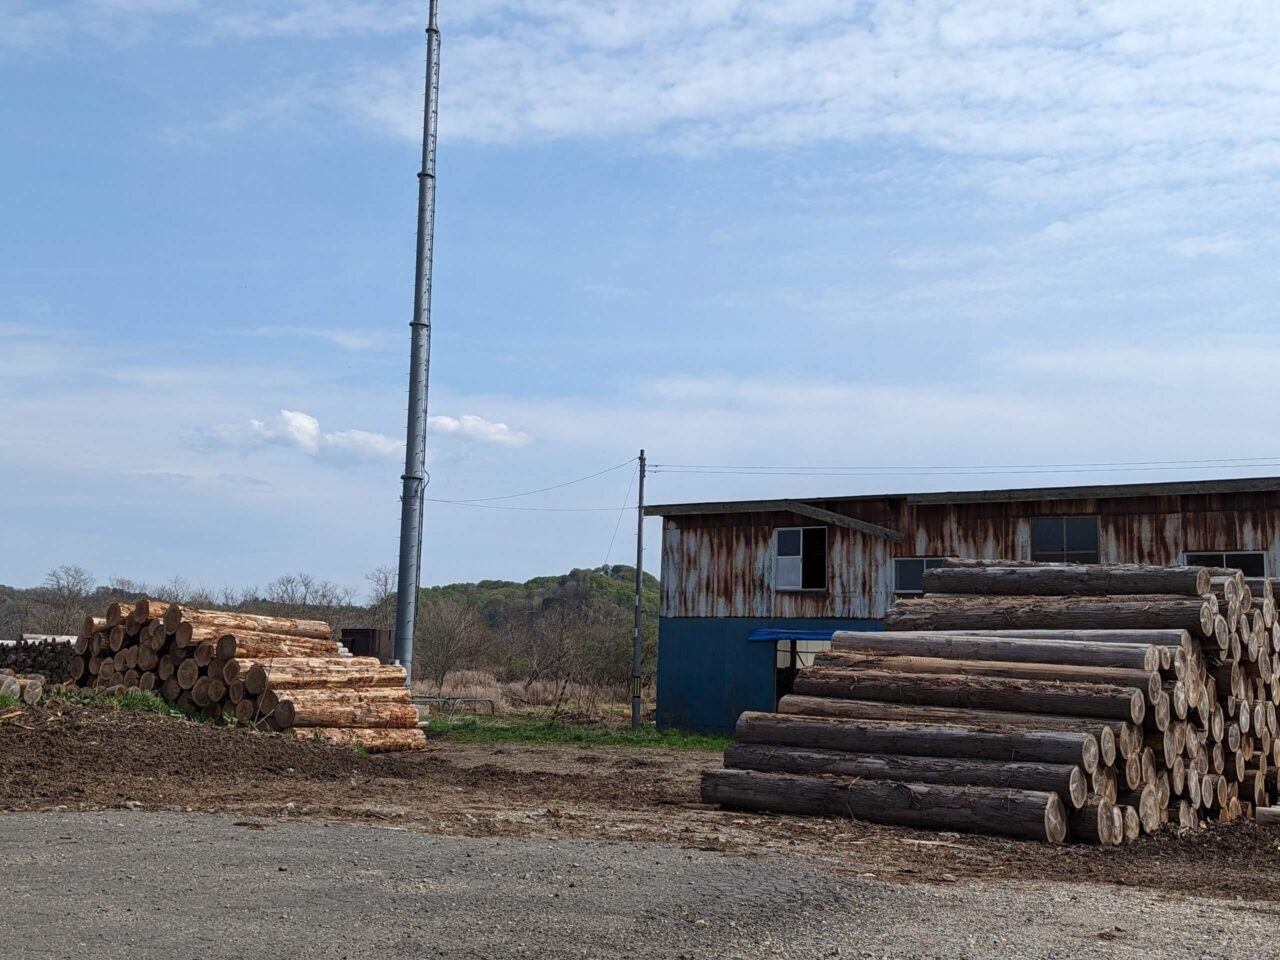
731	568
370	642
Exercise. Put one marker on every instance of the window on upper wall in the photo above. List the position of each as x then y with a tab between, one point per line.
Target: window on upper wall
1253	563
908	574
1064	539
800	558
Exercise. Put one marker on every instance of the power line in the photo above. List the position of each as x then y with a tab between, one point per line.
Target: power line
621	512
530	493
496	506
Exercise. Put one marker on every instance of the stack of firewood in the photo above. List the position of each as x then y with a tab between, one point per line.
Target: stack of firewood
48	656
1045	701
276	673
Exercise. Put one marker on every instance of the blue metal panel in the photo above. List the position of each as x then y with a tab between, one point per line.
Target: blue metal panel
710	671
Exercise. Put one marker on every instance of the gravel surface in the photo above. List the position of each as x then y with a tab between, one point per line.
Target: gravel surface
143	885
70	758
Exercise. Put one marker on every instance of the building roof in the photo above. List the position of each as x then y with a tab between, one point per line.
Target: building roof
1105	492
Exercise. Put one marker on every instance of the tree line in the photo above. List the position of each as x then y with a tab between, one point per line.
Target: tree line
574	628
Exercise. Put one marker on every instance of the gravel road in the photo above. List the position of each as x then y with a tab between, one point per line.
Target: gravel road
142	885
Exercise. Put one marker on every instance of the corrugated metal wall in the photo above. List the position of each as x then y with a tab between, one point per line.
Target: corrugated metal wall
721	565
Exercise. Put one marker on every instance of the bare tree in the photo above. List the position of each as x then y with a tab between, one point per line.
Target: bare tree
67	589
382	596
449	635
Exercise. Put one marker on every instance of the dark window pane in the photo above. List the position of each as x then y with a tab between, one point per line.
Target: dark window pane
788	543
1081	533
1251	564
1046	534
932	562
1204	560
814	561
908	575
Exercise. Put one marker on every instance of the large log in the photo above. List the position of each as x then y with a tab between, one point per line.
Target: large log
1094	823
1009	649
1149	682
374	741
292	672
118	613
1031	815
1113	735
996	693
919	739
147	609
343	712
1067	613
314	629
1146	801
187	673
263	646
984	577
1069	782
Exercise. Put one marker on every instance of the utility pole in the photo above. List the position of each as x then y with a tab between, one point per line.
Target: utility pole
636	648
414	479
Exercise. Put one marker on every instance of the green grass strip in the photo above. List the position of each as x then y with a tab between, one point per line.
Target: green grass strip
534	730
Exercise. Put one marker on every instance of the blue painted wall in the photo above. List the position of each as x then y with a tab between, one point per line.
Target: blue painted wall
708	672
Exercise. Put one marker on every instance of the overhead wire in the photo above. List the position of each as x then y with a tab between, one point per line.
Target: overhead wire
621	513
530	493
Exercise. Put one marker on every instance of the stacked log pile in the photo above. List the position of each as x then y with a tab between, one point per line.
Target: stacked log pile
49	657
276	673
27	688
1044	701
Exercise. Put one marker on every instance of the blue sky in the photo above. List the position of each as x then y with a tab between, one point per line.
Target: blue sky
733	232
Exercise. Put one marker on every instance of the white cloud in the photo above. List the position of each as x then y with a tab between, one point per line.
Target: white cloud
478	429
346	339
364	443
302	431
289	427
293	428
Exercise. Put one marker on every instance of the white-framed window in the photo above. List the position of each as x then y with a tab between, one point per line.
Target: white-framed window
1064	539
800	558
908	574
1252	562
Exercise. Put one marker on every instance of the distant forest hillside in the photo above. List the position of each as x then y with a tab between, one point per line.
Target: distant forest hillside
558	630
575	628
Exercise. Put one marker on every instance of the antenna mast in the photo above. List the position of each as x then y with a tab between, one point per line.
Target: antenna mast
415	459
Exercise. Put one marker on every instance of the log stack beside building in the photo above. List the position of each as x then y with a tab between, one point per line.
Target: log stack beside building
1044	701
276	673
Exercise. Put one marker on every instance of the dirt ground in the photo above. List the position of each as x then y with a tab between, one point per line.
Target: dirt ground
71	757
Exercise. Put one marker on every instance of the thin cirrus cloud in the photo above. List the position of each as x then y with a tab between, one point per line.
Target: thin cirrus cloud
301	431
347	339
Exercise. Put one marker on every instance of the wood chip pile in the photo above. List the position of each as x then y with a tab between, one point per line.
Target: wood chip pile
276	673
1044	701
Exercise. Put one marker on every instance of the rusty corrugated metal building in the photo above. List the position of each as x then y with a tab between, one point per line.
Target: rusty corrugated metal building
732	568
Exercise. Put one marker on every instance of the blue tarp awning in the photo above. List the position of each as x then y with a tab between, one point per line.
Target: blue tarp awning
772	635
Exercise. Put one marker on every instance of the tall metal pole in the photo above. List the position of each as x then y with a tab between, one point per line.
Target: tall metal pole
415	455
636	648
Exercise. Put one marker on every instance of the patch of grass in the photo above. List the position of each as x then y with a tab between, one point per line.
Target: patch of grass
8	703
140	701
536	730
143	701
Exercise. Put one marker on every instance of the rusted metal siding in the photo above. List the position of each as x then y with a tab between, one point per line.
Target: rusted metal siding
722	565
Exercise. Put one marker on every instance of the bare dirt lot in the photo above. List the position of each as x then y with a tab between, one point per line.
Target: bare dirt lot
77	758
